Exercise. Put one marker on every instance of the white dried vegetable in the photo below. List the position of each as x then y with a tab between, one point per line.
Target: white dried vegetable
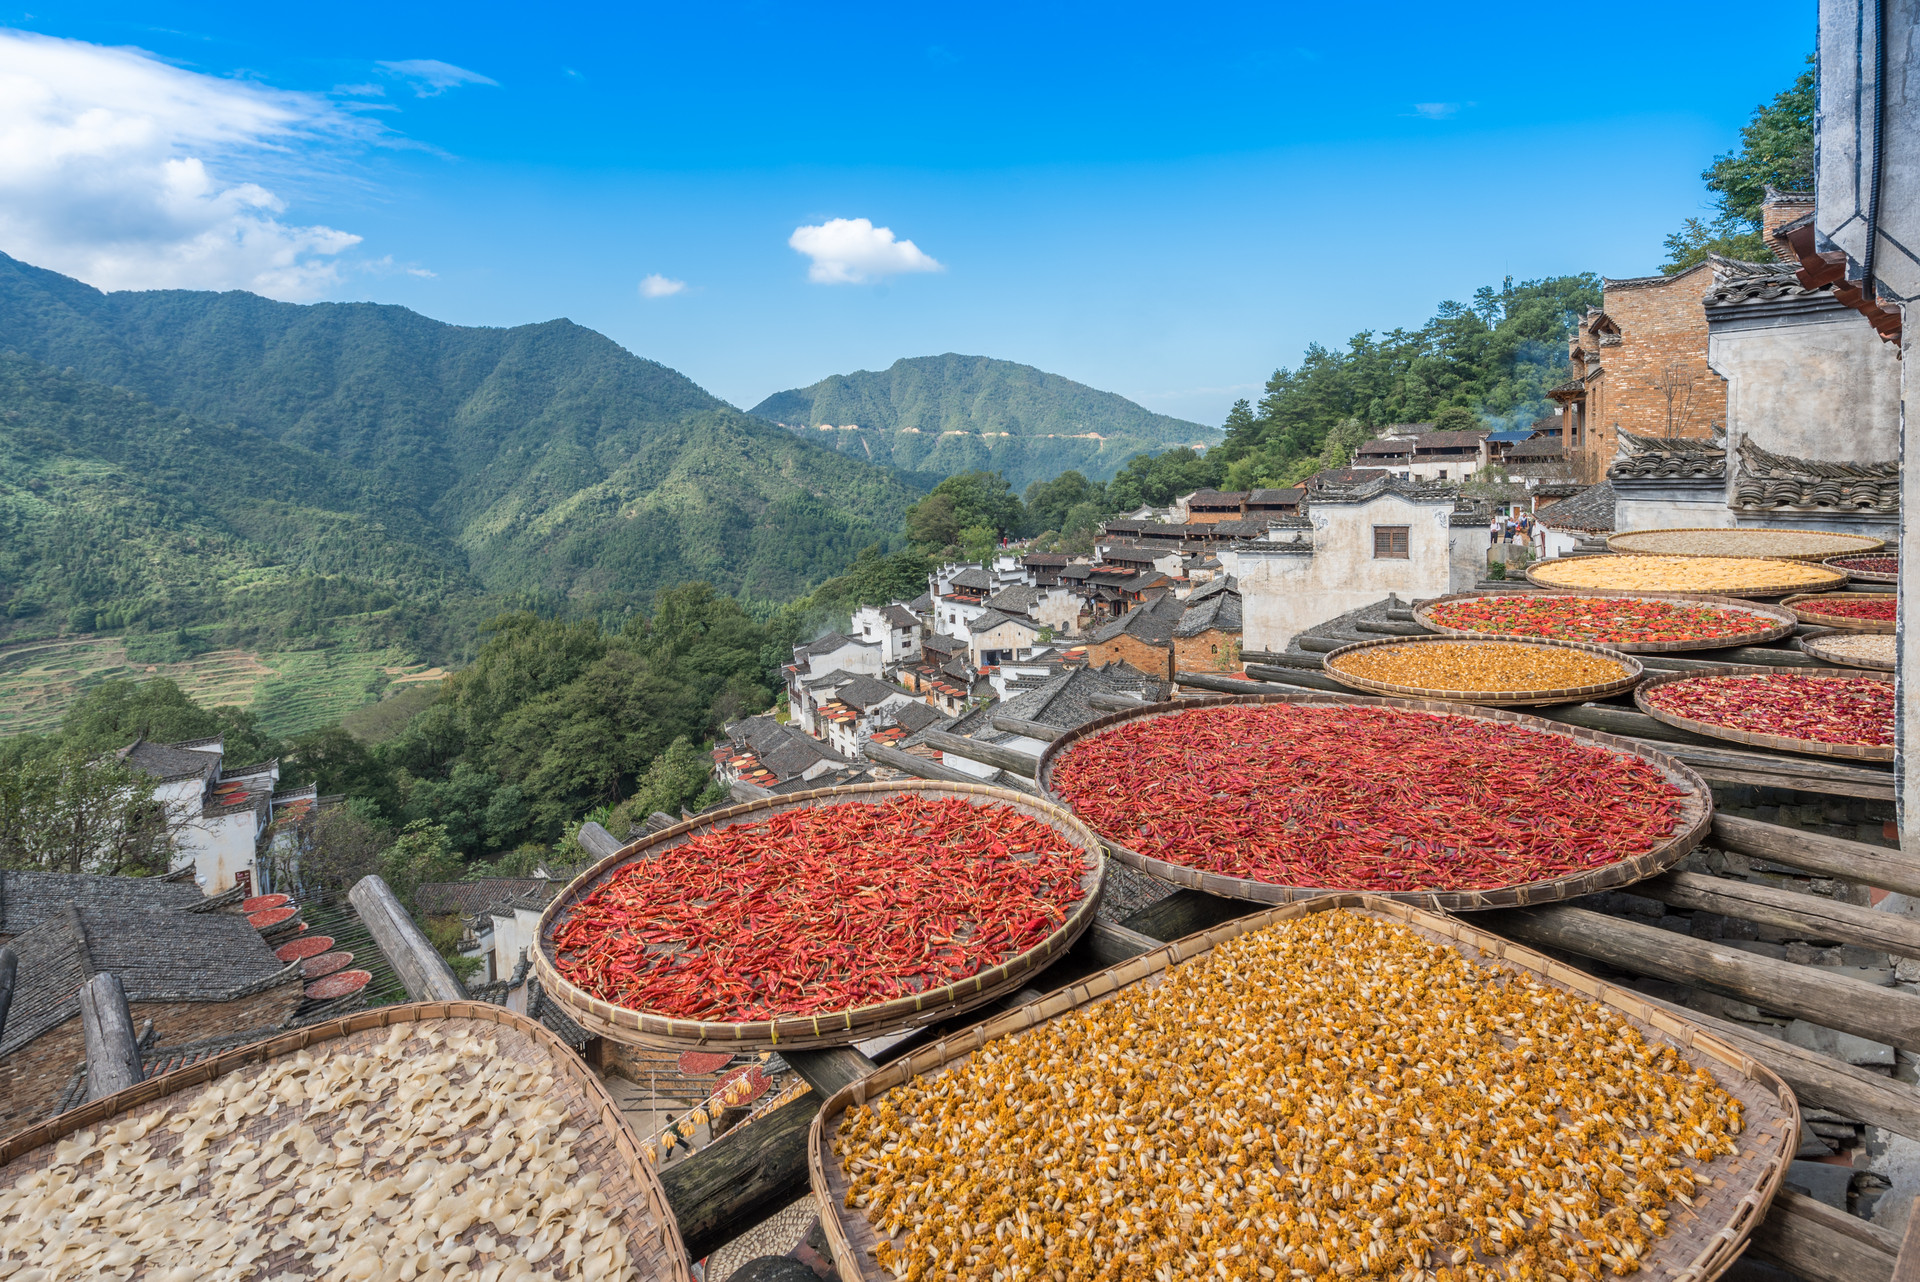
426	1157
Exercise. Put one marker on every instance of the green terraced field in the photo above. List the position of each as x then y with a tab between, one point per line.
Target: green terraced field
291	690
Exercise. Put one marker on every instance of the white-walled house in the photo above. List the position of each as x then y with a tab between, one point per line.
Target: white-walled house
227	814
997	638
831	653
1055	607
959	594
894	628
857	709
1386	537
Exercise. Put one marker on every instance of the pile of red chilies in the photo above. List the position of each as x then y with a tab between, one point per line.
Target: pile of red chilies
1851	710
1364	798
1878	606
826	908
1607	620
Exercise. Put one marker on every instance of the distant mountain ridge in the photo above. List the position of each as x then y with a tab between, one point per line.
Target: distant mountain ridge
951	413
540	458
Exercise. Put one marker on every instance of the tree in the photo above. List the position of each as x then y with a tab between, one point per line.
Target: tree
336	762
72	811
677	777
420	854
330	851
1048	502
1776	150
977	542
115	713
981	498
933	522
1456	418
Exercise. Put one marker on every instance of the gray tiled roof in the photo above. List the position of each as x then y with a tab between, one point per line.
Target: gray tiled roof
1669	458
476	894
830	642
1768	482
868	692
159	956
922	603
164	761
1019	599
915	717
994	618
1152	623
972	577
900	616
1213	612
1590	511
940	643
28	899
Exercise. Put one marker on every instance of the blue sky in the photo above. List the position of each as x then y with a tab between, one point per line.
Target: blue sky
1166	203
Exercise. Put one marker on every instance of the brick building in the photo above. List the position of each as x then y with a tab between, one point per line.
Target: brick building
1207	638
1640	365
1142	638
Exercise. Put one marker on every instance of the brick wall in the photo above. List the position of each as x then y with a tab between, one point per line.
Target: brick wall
1152	660
32	1078
1211	651
1654	378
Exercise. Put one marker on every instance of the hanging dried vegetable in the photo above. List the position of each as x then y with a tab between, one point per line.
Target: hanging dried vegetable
1686	574
1849	710
821	908
1333	1098
1878	607
1600	620
1364	798
1480	666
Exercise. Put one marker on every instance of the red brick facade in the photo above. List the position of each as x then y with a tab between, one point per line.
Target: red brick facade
1155	661
1210	651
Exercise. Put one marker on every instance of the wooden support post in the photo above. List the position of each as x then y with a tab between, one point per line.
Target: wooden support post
918	767
1217	684
1816	853
991	754
1290	681
1028	729
742	1177
423	971
1822	1244
1809	992
1112	944
9	970
1808	916
1115	702
828	1070
1303	662
597	841
106	1025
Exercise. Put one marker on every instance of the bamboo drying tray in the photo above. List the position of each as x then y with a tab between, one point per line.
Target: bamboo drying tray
1539	569
1770	622
837	1028
1851	751
1810	643
1631	672
1750	542
606	1145
1696	813
1859	576
1838	622
1702	1242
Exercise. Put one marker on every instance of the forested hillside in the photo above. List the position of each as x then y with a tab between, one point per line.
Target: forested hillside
944	415
552	460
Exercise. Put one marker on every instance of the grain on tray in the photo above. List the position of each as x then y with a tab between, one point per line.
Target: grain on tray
1597	619
1859	647
1335	1097
1740	543
1364	798
821	908
1481	666
1685	574
428	1154
1877	607
1849	710
1866	564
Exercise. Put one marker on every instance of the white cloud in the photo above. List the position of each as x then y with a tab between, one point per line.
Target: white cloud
851	251
1435	110
132	174
658	286
431	77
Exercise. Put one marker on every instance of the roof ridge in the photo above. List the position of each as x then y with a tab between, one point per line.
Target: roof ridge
80	940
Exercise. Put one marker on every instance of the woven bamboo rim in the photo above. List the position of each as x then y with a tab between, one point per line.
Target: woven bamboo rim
606	1145
1535	570
1623	543
1851	751
1702	1242
1779	622
1839	622
1810	644
836	1028
1630	669
1696	813
1861	576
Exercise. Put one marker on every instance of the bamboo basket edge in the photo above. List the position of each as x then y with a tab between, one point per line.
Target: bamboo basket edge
1713	730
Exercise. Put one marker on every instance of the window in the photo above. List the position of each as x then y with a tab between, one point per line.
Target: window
1443	473
1390	542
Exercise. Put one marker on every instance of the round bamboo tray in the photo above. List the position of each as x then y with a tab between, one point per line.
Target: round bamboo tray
1850	751
1696	813
1538	574
1701	1243
1630	669
837	1028
1860	576
606	1145
1747	542
1811	644
1770	622
1838	622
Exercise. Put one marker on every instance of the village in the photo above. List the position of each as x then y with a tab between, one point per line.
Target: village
995	911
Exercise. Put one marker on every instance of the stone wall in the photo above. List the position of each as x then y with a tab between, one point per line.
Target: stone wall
1155	661
1210	651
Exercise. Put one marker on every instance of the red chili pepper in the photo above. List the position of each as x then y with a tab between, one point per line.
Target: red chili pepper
1850	710
821	909
1603	620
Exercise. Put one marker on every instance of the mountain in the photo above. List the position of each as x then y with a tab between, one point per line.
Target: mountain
949	414
537	459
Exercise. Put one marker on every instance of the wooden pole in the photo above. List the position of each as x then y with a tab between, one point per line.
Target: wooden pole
1834	1001
1817	853
918	767
1029	729
1821	1244
1808	916
1228	685
9	970
991	754
597	841
113	1049
1283	681
423	971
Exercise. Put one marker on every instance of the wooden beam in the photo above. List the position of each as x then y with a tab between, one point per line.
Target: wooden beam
1112	943
1906	1265
1821	1244
1817	853
1817	1080
1393	629
918	767
9	970
1776	763
828	1070
1185	911
1306	662
1290	681
1622	721
1808	916
1030	729
1808	992
1323	645
1115	702
113	1049
1217	684
597	841
742	1177
424	972
992	754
